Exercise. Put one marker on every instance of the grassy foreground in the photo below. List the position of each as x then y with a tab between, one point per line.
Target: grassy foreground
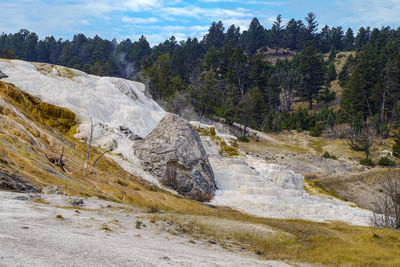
293	241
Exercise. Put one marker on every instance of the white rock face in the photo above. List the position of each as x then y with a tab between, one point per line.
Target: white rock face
251	185
112	102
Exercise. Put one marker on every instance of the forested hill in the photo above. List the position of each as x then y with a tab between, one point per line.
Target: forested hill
256	77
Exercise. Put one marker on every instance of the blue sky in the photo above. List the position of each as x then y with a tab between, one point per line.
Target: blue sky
159	19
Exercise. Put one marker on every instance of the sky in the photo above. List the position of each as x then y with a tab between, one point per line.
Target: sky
160	19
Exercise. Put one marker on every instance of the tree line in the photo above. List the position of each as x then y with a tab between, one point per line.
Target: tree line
226	74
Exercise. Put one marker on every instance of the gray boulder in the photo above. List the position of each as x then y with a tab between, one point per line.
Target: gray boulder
173	152
2	75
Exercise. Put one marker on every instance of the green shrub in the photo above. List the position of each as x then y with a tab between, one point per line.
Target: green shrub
243	139
386	161
316	131
367	162
396	146
328	155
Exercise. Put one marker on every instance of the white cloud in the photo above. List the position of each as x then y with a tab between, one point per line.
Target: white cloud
199	12
252	2
242	23
137	5
371	12
139	20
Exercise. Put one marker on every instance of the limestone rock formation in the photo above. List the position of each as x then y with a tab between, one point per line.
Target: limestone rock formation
174	153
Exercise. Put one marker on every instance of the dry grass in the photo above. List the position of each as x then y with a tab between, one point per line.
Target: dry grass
272	57
294	240
315	187
303	143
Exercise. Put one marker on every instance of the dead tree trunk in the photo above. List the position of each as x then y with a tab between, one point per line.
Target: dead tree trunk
60	159
92	126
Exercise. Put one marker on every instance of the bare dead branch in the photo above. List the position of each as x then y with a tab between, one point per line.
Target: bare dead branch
99	157
387	209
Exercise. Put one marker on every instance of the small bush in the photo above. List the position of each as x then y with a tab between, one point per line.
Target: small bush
367	162
396	146
138	224
316	131
60	217
386	161
243	139
328	155
330	96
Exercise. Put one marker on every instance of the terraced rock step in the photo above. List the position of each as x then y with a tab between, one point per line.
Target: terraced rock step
251	185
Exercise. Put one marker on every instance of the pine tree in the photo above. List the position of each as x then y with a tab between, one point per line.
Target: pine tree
215	36
345	72
325	39
311	67
348	41
212	59
138	51
254	37
337	37
396	145
277	33
238	71
233	34
331	73
206	94
256	107
311	27
361	38
332	53
350	101
290	35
